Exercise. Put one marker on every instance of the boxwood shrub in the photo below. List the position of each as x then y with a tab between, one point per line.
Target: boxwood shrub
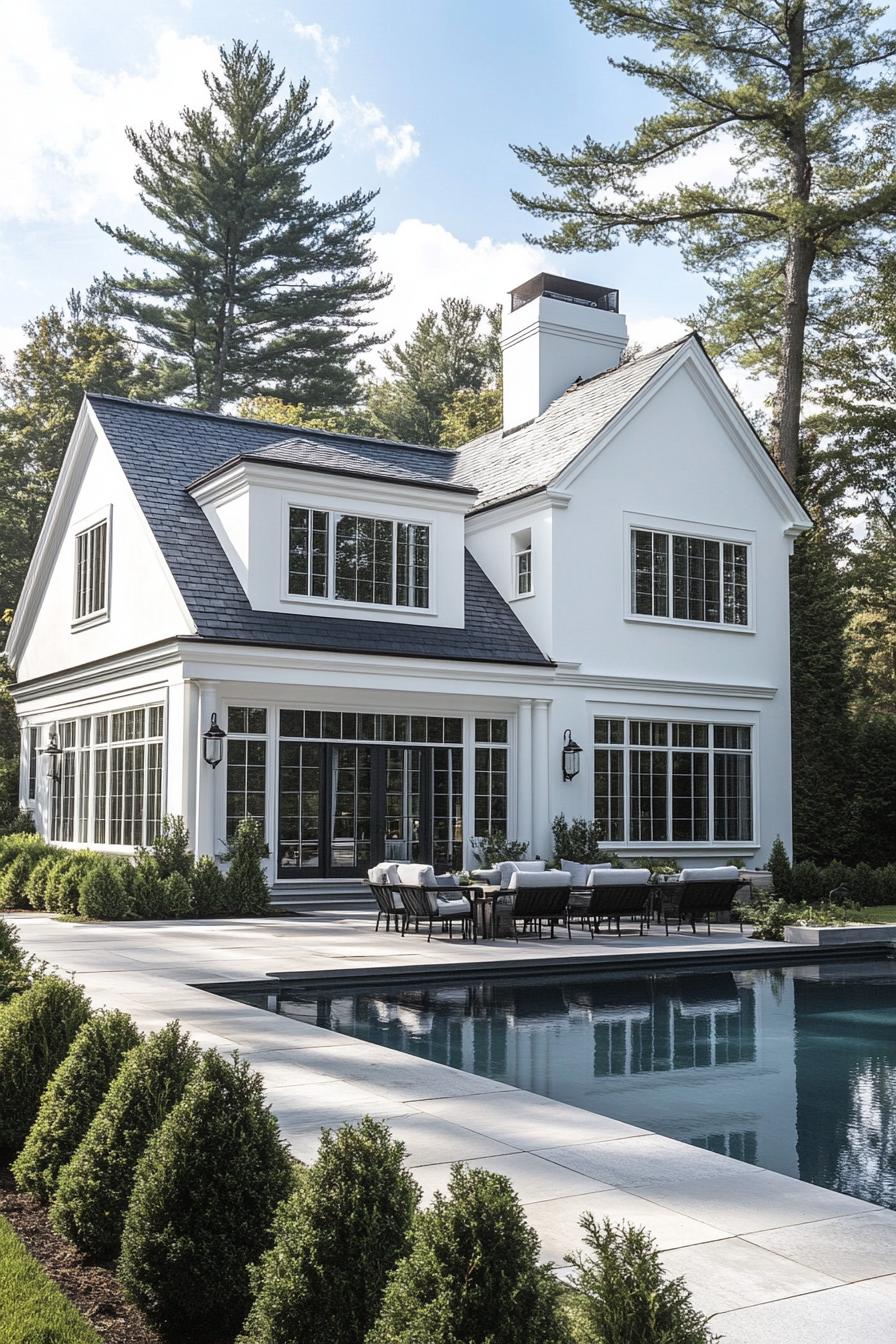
17	971
204	1199
472	1273
336	1240
104	893
14	878
177	897
146	888
94	1189
246	886
62	893
71	1100
36	885
37	1028
209	890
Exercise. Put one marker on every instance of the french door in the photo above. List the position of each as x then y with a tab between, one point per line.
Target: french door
342	807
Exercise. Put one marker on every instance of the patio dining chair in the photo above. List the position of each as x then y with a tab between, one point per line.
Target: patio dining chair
426	903
700	893
536	899
388	903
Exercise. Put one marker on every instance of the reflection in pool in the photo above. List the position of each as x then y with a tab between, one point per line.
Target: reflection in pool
793	1068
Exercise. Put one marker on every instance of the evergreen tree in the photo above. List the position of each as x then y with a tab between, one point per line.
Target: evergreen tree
804	93
257	286
453	350
821	731
469	414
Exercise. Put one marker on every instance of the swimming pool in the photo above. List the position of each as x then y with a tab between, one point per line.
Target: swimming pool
789	1068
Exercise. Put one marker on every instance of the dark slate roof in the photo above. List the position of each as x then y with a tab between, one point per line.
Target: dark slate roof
370	459
527	459
162	449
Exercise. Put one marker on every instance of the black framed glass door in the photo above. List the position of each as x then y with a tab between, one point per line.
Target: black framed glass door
342	807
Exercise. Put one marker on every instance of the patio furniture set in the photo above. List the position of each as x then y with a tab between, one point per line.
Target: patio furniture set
528	897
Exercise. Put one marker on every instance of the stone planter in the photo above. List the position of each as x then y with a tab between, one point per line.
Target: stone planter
848	935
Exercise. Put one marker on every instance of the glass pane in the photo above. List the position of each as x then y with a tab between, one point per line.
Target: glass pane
609	793
298	844
292	724
402	805
350	807
648	795
734	581
650	580
447	807
690	795
732	780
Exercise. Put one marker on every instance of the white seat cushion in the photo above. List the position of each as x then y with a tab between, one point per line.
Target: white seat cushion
489	877
619	877
580	872
727	873
416	874
458	906
446	880
384	874
509	867
551	879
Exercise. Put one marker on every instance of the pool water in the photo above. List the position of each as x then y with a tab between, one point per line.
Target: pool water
789	1068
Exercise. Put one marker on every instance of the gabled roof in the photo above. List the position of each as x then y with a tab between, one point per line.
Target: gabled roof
162	449
506	466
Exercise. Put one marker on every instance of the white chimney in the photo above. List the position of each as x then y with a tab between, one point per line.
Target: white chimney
554	331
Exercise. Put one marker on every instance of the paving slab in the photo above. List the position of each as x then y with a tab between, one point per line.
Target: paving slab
532	1177
853	1314
726	1275
429	1139
527	1120
641	1159
557	1221
853	1248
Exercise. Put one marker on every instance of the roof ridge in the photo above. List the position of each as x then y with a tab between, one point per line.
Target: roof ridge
629	363
293	431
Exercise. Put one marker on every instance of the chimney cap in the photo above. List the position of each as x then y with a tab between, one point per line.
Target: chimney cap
567	291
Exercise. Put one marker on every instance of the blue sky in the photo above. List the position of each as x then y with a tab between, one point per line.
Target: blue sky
427	95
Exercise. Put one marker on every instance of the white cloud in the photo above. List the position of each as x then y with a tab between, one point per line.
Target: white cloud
10	340
652	332
355	121
63	152
326	45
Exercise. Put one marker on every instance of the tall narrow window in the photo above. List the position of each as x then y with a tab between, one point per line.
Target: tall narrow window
83	779
733	782
246	766
412	565
490	775
609	777
91	565
64	790
650	573
308	549
522	563
33	750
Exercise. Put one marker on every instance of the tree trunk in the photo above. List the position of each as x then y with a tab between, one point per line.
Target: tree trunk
800	259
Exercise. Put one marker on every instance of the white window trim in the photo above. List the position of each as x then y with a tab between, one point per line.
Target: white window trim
515	552
627	714
337	604
680	527
83	525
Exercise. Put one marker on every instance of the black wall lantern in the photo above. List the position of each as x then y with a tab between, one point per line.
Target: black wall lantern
571	754
53	753
213	743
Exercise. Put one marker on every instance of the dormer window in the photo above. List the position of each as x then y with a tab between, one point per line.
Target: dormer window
346	557
522	563
92	570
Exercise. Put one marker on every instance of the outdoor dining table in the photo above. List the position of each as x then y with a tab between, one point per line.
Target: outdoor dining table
483	902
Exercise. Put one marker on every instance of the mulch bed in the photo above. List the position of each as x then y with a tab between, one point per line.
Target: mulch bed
93	1289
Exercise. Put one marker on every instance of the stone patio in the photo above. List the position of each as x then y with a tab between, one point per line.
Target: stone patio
769	1257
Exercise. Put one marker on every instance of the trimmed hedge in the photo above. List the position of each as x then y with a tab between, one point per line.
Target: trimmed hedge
94	1189
209	890
204	1199
104	892
37	1028
473	1273
71	1100
246	887
177	897
336	1240
16	970
62	893
17	864
36	886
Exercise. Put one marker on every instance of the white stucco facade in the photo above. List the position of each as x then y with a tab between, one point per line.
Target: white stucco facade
674	460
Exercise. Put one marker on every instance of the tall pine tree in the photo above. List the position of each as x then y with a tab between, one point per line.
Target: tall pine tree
804	93
257	287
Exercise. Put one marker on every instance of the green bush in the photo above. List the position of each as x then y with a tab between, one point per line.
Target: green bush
472	1274
37	1028
496	848
14	879
622	1295
209	889
18	842
171	848
36	886
104	894
246	886
886	884
807	883
779	867
204	1199
71	1100
177	896
17	971
838	877
94	1189
147	894
62	893
768	916
336	1240
578	841
20	823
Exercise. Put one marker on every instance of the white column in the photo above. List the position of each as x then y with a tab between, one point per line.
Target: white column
524	772
541	764
204	819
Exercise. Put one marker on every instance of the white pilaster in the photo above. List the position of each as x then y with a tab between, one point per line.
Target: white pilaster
541	835
204	817
524	772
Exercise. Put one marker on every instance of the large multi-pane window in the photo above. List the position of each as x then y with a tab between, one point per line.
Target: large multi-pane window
108	789
91	567
246	766
33	741
353	558
490	777
689	578
661	781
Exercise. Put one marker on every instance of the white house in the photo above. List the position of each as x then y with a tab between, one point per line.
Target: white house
397	640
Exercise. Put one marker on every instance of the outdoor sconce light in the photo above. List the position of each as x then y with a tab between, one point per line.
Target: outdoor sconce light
213	743
53	752
570	756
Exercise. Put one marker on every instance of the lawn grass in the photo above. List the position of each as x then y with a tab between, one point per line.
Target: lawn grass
876	914
31	1306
